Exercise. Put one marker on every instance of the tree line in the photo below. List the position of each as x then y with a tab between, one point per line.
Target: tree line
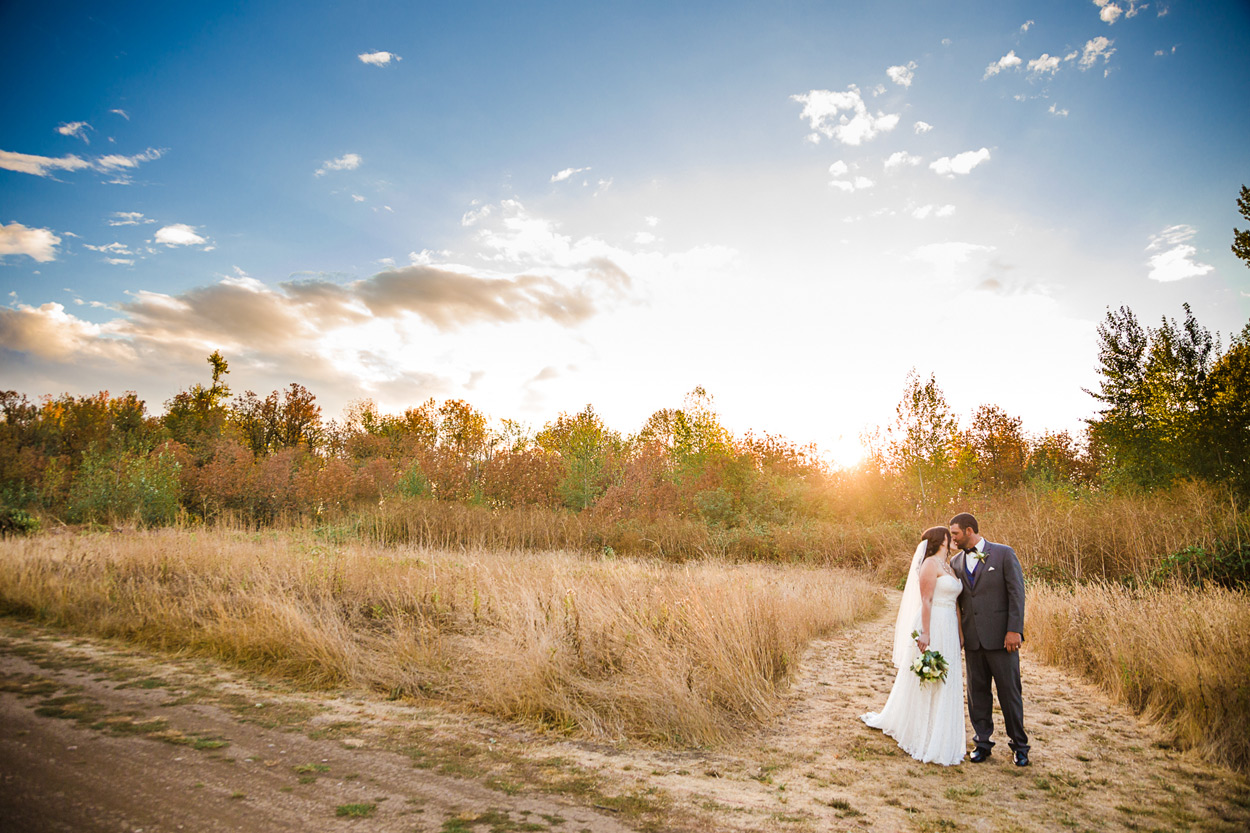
1173	405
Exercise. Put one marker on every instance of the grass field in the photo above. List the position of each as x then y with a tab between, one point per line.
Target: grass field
684	654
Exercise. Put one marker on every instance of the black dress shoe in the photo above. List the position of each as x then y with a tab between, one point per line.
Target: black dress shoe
1022	758
979	755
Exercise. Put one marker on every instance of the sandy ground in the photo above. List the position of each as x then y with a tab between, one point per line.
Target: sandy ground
96	736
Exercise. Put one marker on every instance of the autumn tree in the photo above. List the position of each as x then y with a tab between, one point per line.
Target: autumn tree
998	446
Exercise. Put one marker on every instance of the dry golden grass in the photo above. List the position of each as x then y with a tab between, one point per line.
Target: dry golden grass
1177	655
681	653
1058	534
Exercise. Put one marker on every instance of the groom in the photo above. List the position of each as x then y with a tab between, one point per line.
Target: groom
991	613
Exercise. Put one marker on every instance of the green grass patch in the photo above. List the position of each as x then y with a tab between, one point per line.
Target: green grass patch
355	811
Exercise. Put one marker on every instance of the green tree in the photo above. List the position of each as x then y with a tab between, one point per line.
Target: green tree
196	416
1241	239
919	442
1155	388
585	446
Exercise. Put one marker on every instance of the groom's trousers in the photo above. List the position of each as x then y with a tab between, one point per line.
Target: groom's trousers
1003	668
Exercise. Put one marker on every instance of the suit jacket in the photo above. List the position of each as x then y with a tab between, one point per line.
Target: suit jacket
991	602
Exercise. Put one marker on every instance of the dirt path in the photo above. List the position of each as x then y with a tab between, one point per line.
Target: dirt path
80	750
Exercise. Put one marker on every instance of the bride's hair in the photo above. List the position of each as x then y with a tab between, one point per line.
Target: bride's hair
936	536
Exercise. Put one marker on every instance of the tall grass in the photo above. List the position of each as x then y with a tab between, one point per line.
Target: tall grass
1176	655
1058	534
684	653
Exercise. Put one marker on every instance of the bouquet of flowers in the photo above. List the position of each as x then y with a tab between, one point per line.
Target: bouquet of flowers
930	666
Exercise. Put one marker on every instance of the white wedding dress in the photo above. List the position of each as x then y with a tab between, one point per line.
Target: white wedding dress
928	720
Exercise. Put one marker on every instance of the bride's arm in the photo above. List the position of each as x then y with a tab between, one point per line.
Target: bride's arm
928	581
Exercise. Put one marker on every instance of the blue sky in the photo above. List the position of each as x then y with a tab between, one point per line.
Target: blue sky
536	206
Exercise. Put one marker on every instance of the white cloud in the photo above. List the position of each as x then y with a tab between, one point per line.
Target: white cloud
1028	24
38	244
128	218
566	173
603	185
1046	63
879	89
1173	258
357	198
474	216
378	59
110	248
922	127
1055	110
652	221
842	116
841	169
346	162
119	261
117	162
1109	12
114	164
25	163
963	163
644	238
75	128
925	211
902	75
1097	48
179	234
897	160
1159	53
1008	61
121	113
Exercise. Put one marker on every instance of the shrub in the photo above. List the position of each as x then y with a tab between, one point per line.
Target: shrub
1226	564
16	522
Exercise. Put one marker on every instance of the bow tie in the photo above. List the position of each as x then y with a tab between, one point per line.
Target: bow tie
972	551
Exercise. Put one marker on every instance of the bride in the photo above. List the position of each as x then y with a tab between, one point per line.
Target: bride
927	720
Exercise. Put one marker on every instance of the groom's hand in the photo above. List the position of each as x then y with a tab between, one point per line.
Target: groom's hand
1013	641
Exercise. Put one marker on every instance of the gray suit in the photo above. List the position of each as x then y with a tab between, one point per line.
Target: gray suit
991	604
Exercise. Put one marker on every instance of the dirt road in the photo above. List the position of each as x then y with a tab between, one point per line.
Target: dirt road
95	736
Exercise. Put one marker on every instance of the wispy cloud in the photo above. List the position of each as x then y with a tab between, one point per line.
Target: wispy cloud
38	244
121	113
1173	258
114	164
346	162
128	218
1096	48
77	129
842	116
1057	111
922	127
378	59
950	166
923	212
901	158
1028	24
566	173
